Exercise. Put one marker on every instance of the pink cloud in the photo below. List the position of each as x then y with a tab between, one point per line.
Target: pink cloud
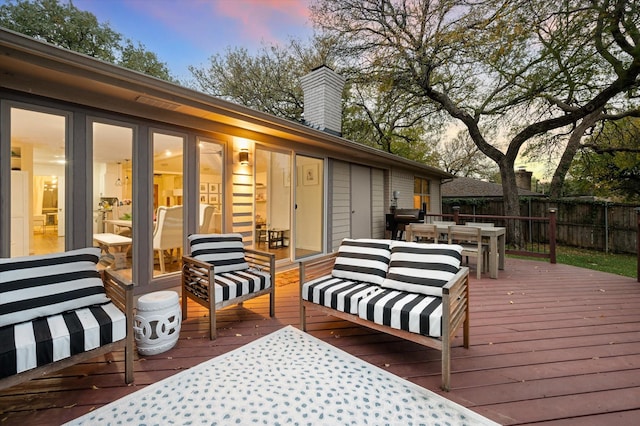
264	19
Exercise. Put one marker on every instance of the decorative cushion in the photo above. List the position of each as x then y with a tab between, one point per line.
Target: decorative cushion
422	268
337	293
224	251
45	340
39	286
232	284
417	313
362	260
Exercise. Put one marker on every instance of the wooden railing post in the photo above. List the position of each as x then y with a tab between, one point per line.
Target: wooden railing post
552	235
638	242
456	214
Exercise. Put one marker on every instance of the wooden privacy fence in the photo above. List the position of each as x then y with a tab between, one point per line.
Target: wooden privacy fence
607	227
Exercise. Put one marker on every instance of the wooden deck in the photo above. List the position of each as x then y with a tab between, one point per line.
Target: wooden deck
550	344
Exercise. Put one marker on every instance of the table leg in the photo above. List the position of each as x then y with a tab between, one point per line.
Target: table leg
493	258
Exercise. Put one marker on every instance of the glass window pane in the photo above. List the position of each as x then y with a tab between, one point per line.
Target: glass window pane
38	161
112	181
168	235
211	188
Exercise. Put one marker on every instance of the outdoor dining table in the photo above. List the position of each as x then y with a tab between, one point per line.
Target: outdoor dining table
496	236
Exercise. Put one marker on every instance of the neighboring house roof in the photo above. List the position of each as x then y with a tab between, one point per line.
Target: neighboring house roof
463	187
48	67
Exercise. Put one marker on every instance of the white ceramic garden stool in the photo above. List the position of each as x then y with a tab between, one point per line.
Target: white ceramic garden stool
157	322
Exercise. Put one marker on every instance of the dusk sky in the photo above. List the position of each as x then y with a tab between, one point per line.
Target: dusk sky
188	32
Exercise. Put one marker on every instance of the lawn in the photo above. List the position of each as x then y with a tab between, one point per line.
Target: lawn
620	264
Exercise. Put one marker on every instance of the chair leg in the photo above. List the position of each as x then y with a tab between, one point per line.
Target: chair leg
161	260
213	332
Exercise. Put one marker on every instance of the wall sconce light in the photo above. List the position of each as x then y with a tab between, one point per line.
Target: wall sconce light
243	157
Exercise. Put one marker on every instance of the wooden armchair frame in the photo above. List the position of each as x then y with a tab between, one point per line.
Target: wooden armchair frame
121	294
195	271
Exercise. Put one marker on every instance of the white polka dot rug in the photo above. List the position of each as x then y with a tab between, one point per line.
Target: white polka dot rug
285	378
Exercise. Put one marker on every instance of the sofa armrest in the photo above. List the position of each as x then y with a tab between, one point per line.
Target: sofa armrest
119	290
261	260
316	267
455	305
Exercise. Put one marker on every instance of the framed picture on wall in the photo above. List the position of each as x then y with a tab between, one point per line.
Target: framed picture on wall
213	199
310	174
213	188
204	198
204	187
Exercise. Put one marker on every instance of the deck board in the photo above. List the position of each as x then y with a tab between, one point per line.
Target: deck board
550	344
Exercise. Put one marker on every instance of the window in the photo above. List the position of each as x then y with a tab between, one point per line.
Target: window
421	194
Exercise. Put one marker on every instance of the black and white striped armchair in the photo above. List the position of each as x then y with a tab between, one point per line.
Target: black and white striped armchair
235	273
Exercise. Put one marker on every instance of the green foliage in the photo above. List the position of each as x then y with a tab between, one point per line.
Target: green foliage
609	164
526	68
267	82
66	26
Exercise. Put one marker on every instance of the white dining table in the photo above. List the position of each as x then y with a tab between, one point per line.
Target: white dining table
497	237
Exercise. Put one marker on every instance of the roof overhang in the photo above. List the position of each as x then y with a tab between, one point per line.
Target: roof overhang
35	67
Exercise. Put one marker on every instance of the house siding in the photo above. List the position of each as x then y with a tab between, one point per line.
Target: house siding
340	194
377	203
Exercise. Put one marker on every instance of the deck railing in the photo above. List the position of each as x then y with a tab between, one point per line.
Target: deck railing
537	235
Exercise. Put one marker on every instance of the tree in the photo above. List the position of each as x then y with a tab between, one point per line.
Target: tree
461	157
608	163
66	26
526	67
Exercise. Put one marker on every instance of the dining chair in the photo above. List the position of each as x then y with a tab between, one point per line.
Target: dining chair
167	234
423	232
206	219
470	238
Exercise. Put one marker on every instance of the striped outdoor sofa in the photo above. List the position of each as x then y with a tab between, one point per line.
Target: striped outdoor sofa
415	291
236	273
57	310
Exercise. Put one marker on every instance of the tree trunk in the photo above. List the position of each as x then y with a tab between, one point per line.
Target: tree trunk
555	191
511	203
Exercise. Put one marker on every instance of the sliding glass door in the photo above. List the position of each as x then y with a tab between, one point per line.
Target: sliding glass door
309	206
273	203
38	160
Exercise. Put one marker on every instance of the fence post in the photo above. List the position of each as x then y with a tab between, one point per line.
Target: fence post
552	235
456	214
638	241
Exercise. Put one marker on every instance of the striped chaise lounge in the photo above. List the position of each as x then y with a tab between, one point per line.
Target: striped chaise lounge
415	291
236	273
57	310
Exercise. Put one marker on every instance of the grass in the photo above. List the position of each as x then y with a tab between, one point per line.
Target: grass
619	264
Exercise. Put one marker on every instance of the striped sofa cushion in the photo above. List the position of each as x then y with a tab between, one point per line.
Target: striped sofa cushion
422	268
362	260
229	285
38	286
45	340
337	293
224	251
417	313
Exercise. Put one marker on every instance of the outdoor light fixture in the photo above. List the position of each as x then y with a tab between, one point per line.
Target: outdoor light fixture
243	157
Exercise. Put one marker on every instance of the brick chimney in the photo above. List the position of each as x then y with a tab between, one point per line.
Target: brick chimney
523	179
322	89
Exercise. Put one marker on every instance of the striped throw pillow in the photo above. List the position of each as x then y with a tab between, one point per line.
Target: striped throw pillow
39	286
363	259
422	268
224	251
